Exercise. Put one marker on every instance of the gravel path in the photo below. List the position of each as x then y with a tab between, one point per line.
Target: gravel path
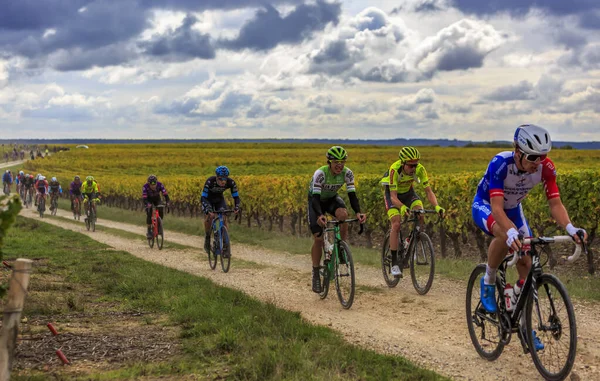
429	330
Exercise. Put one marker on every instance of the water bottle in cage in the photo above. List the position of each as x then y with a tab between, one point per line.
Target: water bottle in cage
328	246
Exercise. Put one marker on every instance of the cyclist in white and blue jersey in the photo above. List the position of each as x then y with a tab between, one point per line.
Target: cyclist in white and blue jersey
497	206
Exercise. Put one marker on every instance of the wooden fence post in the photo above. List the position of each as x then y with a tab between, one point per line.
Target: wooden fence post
19	282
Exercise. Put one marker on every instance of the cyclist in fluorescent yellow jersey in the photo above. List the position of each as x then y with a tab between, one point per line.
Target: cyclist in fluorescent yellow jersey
90	191
400	195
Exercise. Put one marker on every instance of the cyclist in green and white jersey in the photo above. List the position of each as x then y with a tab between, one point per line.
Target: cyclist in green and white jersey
323	198
400	195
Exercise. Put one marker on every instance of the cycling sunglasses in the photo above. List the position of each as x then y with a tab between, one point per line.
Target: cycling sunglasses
532	157
338	161
412	165
222	178
153	183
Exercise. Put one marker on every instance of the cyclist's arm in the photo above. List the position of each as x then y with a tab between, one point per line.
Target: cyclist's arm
499	214
559	212
234	193
354	202
395	201
431	196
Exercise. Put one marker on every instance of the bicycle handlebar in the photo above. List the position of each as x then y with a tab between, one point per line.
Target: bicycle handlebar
422	211
555	239
336	222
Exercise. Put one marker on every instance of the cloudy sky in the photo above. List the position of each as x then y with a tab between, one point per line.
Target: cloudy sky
466	69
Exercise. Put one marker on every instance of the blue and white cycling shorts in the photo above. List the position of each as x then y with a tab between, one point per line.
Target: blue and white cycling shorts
482	215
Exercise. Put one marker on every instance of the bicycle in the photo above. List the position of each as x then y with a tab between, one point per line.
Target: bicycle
221	244
414	252
337	264
42	205
53	203
28	197
157	228
77	208
491	332
90	213
7	189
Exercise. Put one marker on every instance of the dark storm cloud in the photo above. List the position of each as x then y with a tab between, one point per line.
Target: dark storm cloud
71	34
269	28
182	43
519	7
524	90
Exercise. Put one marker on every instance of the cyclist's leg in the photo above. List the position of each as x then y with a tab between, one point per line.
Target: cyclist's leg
338	208
482	216
317	246
523	264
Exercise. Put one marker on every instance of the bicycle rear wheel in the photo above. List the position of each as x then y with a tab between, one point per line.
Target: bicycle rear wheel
225	249
160	236
212	253
386	263
151	240
484	328
422	264
344	275
556	329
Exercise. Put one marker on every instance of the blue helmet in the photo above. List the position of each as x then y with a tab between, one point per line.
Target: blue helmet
222	171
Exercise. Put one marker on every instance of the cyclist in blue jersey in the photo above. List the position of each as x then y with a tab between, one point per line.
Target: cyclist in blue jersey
212	199
497	209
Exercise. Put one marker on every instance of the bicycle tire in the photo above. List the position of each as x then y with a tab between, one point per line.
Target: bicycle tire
225	249
160	237
93	220
343	271
212	253
325	274
477	319
54	206
386	263
551	337
422	252
151	240
42	207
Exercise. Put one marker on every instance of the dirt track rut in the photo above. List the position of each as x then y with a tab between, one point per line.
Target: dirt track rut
429	330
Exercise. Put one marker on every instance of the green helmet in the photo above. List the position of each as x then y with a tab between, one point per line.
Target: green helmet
337	153
89	178
409	153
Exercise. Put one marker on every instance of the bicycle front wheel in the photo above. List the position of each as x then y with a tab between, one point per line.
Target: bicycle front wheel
553	320
225	249
160	237
42	207
54	206
386	263
93	220
422	264
344	275
484	328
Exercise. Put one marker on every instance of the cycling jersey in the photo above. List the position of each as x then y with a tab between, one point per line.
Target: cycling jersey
503	179
7	178
75	188
212	194
88	189
54	187
147	192
326	184
42	186
400	182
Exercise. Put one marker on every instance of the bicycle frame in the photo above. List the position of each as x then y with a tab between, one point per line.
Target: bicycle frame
413	232
217	223
155	217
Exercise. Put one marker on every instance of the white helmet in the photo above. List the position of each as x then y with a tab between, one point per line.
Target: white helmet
53	179
21	173
533	139
42	178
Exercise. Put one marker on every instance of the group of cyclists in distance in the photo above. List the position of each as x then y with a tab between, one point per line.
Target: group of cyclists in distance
496	208
39	187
